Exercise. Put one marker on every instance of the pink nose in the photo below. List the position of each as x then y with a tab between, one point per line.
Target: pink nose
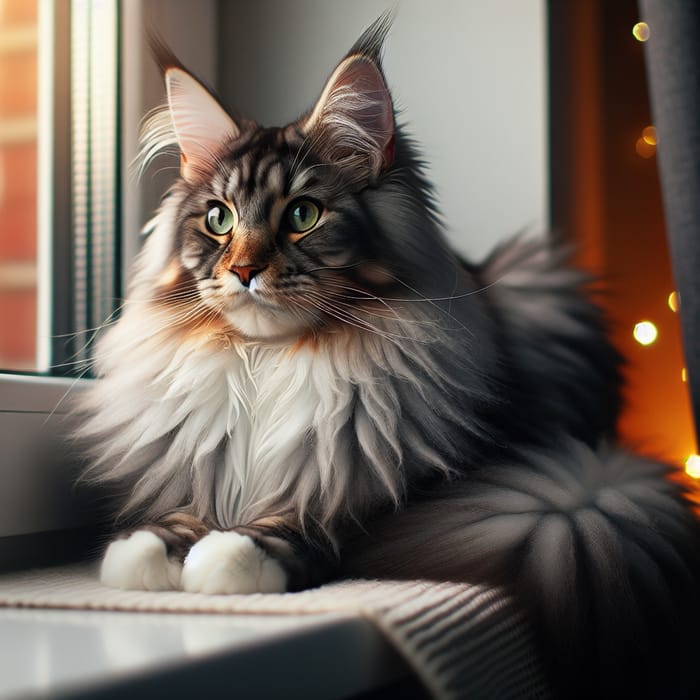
245	273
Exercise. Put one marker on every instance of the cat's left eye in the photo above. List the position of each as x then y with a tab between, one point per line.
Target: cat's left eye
303	215
219	219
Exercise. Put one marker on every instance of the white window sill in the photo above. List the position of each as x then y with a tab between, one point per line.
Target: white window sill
81	654
88	654
37	473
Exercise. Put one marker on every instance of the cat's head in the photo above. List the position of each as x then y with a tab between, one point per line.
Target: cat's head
272	229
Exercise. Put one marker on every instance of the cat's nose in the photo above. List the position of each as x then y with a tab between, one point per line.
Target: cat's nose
245	273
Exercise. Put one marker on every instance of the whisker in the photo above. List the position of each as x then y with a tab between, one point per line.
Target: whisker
420	297
192	314
65	395
393	314
341	314
386	301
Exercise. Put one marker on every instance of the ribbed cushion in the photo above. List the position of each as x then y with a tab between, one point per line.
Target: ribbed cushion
462	641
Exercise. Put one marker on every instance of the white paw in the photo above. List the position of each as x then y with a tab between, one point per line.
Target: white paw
140	562
226	562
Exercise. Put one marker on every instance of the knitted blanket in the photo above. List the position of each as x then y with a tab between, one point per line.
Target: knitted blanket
462	641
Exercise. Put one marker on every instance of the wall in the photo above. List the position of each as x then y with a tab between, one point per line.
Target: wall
189	29
469	77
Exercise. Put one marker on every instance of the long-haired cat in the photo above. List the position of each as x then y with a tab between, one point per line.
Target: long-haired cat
307	382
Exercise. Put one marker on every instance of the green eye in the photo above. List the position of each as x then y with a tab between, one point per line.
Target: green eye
303	215
219	219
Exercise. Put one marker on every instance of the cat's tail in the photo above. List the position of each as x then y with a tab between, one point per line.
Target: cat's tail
601	548
553	339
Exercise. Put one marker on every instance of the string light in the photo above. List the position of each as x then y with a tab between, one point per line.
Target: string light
674	302
644	149
640	31
692	466
646	143
649	135
645	332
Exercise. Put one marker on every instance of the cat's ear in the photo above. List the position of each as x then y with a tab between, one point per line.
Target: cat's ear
353	120
202	126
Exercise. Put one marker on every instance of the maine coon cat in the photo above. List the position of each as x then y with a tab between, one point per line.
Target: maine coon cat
307	382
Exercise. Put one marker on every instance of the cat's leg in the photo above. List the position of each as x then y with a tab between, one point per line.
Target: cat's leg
270	555
150	557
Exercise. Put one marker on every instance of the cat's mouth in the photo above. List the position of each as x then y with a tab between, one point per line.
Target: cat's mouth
249	276
245	291
256	310
256	294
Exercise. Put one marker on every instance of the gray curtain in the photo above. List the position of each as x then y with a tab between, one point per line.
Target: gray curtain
673	67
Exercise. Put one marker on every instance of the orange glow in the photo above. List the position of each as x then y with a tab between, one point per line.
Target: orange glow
649	135
641	31
609	195
644	148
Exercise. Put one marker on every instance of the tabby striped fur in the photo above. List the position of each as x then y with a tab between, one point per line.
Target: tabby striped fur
366	401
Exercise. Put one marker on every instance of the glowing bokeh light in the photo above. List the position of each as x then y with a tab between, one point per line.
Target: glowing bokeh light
645	332
641	31
684	374
644	149
692	466
649	135
674	302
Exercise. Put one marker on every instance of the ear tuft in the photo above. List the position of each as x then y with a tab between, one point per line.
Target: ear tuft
162	54
371	43
353	120
202	126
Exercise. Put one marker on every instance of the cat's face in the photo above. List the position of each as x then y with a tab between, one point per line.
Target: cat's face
271	229
271	235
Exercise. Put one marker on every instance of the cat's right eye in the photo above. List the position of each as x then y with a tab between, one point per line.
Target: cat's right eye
219	219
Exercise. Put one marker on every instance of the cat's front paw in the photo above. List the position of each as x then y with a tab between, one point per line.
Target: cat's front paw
227	562
140	562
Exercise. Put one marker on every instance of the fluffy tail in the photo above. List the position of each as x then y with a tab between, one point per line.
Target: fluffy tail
566	374
600	548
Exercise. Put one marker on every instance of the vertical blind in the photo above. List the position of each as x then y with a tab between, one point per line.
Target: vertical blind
95	167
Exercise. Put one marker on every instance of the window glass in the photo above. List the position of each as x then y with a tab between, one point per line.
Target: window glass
18	184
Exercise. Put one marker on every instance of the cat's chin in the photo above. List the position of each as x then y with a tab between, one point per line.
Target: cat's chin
256	322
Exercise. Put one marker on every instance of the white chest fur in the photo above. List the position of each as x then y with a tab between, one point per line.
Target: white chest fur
258	407
234	434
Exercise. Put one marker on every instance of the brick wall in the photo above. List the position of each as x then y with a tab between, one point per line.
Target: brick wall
18	183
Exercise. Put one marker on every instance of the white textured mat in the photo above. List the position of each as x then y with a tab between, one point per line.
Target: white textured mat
463	641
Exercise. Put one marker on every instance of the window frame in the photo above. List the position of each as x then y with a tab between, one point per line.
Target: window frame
33	405
55	214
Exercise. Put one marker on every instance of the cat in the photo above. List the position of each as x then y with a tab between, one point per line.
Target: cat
307	382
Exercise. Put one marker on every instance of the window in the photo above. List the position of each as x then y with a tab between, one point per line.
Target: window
59	179
82	76
18	183
94	175
57	262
